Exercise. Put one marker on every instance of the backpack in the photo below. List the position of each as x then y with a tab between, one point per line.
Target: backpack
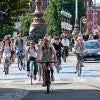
17	42
29	49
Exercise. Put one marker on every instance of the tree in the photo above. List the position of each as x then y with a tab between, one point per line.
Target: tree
17	8
26	21
53	17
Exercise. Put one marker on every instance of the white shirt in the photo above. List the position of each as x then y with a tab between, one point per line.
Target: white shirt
65	42
32	52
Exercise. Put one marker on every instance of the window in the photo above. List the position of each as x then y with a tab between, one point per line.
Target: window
48	2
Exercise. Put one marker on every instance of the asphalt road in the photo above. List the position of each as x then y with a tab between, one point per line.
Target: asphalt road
67	84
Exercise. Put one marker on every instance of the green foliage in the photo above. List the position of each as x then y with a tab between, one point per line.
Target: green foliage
7	30
53	17
17	7
26	21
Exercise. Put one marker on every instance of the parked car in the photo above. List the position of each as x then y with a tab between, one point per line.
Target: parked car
92	49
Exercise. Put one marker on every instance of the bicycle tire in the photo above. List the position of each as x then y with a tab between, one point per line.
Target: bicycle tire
23	65
19	64
32	73
48	80
6	70
39	71
31	79
79	70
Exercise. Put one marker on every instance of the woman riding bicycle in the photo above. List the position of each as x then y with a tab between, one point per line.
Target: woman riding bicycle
79	50
6	49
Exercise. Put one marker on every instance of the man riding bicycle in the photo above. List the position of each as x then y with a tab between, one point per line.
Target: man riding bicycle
65	43
20	47
58	46
49	55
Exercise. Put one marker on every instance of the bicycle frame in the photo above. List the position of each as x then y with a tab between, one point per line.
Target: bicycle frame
20	62
79	66
47	75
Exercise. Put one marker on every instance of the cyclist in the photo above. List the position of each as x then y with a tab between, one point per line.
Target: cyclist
39	46
6	49
79	50
58	46
31	55
12	50
65	43
48	54
19	45
29	38
39	56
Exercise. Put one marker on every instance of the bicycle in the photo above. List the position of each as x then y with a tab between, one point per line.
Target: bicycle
79	65
47	75
21	65
31	71
39	71
65	53
6	66
58	64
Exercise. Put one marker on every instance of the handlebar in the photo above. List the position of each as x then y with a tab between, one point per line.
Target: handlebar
46	61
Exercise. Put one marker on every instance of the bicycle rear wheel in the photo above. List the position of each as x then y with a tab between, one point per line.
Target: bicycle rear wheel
20	64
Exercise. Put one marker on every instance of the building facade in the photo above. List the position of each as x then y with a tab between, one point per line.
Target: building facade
98	14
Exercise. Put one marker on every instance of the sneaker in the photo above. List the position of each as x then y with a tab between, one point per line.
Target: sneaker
52	78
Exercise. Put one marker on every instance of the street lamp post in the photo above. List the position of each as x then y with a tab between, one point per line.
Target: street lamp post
76	26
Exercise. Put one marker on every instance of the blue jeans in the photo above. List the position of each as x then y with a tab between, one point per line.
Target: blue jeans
35	65
20	53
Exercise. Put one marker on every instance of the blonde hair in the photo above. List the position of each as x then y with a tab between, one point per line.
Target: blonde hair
79	38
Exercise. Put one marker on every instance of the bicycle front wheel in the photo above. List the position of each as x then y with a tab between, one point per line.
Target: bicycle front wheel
48	81
20	64
6	69
79	70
